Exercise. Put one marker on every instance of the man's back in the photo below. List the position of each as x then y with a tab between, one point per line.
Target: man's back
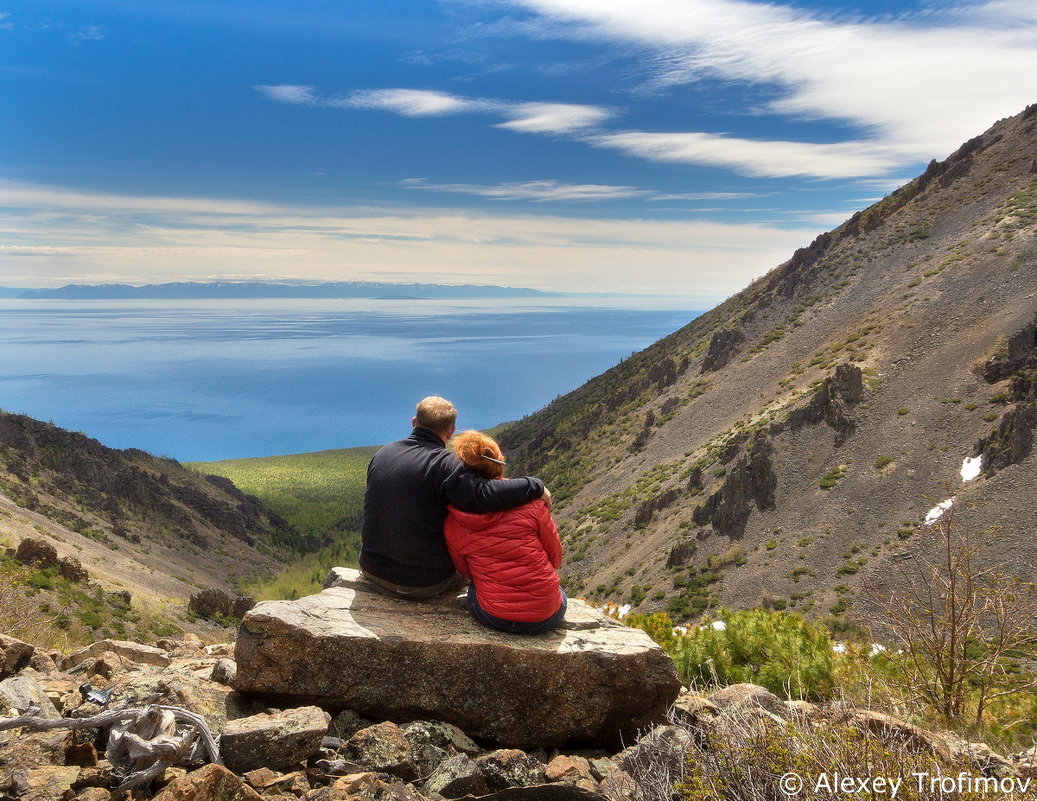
409	484
404	508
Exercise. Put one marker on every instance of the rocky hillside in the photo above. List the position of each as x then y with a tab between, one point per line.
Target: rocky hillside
787	447
145	524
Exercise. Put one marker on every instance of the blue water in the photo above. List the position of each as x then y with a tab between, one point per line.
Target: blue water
216	379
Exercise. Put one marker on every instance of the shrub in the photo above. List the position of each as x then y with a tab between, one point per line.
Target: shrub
779	650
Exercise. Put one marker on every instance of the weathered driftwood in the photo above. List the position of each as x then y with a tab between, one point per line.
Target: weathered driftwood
144	740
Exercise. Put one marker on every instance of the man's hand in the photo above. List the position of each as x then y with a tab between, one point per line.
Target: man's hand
546	497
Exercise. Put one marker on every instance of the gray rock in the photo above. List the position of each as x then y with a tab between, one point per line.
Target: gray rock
21	693
347	723
747	696
620	786
382	747
456	776
14	655
279	741
443	735
132	651
352	647
224	671
510	767
661	752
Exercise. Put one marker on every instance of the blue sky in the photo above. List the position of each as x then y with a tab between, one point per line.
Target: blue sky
679	147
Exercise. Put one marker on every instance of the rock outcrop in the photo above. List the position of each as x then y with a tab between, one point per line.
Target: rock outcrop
350	647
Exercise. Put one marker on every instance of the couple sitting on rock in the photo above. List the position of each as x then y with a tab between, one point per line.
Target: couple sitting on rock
434	519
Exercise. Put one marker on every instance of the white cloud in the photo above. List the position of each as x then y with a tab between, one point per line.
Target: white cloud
89	33
753	157
918	85
77	236
286	93
552	117
524	117
5	21
409	102
533	190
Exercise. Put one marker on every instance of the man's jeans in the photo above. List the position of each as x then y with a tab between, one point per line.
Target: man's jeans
454	583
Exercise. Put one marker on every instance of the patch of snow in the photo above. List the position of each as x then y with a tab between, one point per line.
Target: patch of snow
876	649
971	468
719	625
937	511
624	610
839	647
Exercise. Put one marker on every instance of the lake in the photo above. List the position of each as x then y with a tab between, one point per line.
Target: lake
201	380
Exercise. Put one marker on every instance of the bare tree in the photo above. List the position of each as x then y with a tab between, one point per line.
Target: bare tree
962	626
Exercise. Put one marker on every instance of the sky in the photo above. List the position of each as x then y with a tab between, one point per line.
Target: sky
677	147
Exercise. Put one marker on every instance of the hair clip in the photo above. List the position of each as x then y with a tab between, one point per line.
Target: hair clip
490	458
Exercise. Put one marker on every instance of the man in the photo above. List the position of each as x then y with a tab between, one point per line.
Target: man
409	484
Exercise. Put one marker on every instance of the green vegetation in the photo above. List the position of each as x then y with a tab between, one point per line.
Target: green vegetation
321	494
43	608
779	650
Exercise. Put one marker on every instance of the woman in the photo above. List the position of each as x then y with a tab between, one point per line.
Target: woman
511	557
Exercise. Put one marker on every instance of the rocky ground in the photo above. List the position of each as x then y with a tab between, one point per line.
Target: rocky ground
307	753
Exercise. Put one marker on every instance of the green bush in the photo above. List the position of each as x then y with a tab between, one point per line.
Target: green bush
779	650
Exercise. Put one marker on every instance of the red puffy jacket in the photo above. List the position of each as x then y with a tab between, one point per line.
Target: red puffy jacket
511	558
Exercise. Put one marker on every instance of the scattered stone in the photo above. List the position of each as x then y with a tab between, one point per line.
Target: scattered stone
457	776
347	723
509	767
134	652
94	794
21	693
572	770
620	786
738	697
36	553
279	741
14	655
209	783
224	671
44	662
352	647
602	767
892	731
220	649
539	792
692	709
382	747
48	783
664	748
443	735
214	604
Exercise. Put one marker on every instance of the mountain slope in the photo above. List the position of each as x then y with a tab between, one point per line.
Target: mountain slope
786	447
143	523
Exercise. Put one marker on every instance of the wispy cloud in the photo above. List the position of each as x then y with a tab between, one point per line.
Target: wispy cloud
408	102
524	117
552	117
79	236
757	158
560	191
914	86
537	191
6	24
88	33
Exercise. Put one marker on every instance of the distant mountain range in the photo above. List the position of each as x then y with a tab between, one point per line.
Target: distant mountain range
278	289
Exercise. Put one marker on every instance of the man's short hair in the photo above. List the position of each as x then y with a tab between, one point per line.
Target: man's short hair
436	414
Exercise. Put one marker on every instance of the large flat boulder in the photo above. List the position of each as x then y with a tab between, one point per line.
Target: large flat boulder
351	647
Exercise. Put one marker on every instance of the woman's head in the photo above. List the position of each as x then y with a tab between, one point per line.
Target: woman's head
480	453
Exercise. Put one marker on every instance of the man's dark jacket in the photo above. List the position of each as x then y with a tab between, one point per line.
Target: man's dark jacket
409	484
